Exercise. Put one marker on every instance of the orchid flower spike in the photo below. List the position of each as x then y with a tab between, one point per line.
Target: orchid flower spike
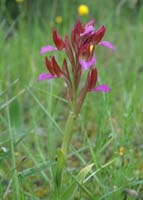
80	52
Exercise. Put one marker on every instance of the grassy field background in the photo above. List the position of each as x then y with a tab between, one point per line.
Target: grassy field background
33	114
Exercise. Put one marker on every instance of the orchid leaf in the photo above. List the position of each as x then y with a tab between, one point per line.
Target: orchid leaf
59	168
78	181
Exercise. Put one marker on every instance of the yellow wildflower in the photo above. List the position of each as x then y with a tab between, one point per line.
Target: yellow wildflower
121	151
83	10
58	19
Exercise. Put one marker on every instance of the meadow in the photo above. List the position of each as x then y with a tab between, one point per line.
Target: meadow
109	129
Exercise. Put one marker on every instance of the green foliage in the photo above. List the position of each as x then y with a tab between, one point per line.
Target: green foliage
33	114
77	181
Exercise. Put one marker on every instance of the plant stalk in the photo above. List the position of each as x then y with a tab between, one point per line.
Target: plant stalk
68	132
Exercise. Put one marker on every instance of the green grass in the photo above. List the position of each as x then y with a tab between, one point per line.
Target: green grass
33	114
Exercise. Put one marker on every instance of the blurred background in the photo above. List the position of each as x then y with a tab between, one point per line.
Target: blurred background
32	114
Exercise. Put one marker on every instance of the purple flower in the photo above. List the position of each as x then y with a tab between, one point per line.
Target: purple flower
53	68
45	76
101	88
88	29
47	48
79	49
107	44
87	64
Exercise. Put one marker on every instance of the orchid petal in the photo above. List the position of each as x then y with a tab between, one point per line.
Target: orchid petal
87	64
101	88
107	44
47	49
58	40
87	30
90	23
45	76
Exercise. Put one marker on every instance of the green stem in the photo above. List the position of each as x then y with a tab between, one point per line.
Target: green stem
62	154
68	132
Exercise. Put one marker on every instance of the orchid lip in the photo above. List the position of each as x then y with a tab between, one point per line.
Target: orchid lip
101	88
107	44
45	76
88	30
87	64
47	48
